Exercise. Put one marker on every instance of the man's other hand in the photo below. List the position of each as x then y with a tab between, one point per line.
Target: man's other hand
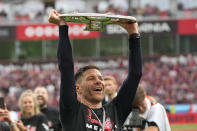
55	18
131	28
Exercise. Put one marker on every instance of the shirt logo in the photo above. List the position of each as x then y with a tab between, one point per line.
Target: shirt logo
90	119
108	125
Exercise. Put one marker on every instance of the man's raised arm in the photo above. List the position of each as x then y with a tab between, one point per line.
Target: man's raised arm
65	62
128	89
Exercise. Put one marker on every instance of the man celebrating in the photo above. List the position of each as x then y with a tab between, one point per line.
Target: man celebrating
81	95
51	113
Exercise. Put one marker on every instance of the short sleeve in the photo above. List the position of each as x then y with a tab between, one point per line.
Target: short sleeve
157	114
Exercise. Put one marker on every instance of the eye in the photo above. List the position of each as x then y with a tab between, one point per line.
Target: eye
90	78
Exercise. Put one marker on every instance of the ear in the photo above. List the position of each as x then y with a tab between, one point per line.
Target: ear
78	89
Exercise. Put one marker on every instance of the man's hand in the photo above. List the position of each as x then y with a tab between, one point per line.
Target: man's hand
5	115
131	28
55	18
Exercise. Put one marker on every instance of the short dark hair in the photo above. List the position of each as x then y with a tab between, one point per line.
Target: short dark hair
81	70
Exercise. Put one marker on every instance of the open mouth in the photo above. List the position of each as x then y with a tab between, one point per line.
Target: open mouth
98	90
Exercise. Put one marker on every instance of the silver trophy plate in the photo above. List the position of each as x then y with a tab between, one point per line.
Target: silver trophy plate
96	21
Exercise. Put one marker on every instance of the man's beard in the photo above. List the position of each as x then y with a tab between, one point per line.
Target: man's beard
43	105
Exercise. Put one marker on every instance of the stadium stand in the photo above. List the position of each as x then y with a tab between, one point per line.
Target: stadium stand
171	80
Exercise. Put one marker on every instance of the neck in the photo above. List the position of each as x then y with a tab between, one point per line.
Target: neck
44	106
93	105
29	114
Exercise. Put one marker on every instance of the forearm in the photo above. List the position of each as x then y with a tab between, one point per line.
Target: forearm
135	58
134	68
128	89
66	66
64	52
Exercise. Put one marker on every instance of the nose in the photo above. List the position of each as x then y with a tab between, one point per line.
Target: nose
98	81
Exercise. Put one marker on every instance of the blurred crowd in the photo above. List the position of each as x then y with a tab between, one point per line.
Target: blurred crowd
122	8
37	11
15	79
171	80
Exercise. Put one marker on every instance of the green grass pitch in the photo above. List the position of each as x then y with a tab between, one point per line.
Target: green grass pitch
185	127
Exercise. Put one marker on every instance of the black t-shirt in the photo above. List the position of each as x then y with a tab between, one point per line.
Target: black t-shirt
36	123
74	115
82	118
52	115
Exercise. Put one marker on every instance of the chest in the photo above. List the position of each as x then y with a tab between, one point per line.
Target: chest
99	120
86	119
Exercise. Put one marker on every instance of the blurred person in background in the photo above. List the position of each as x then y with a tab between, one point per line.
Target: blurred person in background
7	123
30	112
152	111
111	87
51	113
81	95
3	14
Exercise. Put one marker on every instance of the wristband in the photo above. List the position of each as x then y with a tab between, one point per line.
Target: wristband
134	35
